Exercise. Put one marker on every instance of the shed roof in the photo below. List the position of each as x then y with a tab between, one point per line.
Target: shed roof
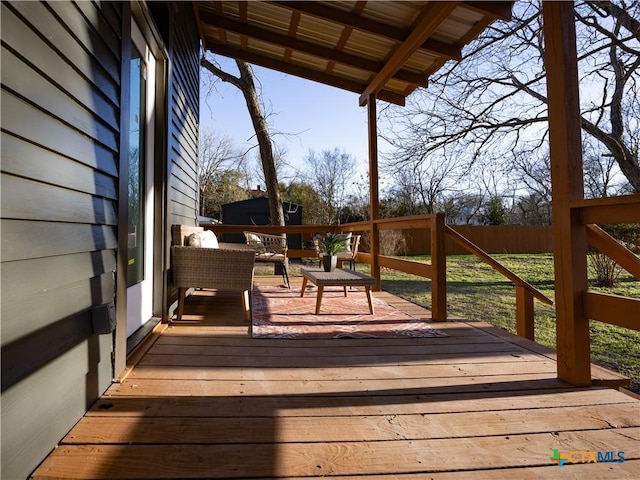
389	48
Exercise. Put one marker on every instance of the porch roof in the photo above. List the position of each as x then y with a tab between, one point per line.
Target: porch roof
389	48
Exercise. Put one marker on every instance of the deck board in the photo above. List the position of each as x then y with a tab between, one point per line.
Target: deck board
207	401
356	428
248	460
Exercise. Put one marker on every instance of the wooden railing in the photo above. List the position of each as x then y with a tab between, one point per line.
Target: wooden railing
611	309
435	270
525	292
616	310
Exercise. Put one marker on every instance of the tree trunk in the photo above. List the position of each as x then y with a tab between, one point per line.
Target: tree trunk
247	86
264	142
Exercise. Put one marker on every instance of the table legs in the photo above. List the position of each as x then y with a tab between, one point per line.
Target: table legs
319	299
321	291
369	299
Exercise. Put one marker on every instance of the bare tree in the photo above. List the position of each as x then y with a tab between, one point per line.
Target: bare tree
423	182
245	83
330	172
404	194
599	174
217	155
491	107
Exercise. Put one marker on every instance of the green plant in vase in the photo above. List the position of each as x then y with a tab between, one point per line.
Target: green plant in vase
330	244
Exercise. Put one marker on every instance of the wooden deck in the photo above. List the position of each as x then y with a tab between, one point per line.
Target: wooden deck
207	401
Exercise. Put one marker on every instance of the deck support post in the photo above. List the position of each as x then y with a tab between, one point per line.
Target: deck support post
525	313
569	235
439	268
374	201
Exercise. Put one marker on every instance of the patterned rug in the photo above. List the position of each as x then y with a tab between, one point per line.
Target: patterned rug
282	313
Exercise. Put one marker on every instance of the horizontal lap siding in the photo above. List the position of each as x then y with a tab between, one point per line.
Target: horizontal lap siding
60	136
184	117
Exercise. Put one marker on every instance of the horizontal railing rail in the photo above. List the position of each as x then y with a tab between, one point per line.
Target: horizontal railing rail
611	309
435	270
609	210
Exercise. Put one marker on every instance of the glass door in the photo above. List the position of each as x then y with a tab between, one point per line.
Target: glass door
140	183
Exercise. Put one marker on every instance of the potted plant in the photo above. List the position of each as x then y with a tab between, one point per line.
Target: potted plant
330	244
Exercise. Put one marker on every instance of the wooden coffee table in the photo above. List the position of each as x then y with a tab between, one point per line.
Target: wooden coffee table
338	278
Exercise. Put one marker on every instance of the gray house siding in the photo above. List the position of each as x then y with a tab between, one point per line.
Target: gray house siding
183	129
60	131
182	143
61	114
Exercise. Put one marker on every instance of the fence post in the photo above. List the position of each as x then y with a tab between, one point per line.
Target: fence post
525	315
439	268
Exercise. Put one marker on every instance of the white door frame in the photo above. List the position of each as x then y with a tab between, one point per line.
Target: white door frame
155	177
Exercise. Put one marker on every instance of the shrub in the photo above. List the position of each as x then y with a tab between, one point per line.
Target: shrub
392	242
606	271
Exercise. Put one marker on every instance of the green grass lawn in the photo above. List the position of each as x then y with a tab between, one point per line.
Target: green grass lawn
478	293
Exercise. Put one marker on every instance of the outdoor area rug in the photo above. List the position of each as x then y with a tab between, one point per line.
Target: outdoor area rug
282	313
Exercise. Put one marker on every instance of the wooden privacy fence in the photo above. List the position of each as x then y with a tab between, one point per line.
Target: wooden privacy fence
490	238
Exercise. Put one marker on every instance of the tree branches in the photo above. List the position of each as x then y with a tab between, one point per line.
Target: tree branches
490	109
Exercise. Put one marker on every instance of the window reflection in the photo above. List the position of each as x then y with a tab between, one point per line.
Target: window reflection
135	273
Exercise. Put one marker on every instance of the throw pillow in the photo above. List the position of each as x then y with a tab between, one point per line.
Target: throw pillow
348	241
255	242
205	239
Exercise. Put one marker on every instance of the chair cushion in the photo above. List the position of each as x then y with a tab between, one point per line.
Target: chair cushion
205	239
270	257
255	242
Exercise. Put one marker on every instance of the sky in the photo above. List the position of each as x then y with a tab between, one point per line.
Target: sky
314	116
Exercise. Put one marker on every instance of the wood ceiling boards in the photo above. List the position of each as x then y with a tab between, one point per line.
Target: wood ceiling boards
389	48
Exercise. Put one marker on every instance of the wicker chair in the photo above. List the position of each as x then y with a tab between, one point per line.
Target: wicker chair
270	249
229	267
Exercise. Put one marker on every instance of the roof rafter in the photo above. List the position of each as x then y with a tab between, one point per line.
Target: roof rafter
303	72
497	10
377	49
451	52
426	23
307	47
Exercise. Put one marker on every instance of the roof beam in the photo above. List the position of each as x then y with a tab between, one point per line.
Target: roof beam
325	53
334	15
497	10
314	75
426	23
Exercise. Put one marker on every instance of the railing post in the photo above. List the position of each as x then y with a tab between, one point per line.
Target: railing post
525	315
439	268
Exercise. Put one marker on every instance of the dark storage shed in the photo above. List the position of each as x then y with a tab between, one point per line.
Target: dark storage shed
255	211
